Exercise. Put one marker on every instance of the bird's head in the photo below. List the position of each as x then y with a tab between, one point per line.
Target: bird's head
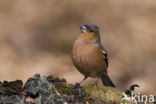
90	30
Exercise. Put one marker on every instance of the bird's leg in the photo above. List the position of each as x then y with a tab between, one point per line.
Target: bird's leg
96	82
85	77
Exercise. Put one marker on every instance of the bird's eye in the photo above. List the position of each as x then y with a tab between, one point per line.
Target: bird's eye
91	30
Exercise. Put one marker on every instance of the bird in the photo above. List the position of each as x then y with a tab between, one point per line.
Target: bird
89	56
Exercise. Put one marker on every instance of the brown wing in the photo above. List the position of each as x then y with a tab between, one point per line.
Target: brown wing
104	54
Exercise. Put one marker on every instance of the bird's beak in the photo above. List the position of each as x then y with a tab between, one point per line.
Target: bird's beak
83	29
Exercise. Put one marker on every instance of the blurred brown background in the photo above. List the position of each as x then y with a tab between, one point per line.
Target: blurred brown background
36	36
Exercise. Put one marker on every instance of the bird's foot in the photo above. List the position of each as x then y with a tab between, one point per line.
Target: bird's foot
77	85
95	83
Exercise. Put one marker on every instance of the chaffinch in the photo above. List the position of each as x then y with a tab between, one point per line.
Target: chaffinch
89	56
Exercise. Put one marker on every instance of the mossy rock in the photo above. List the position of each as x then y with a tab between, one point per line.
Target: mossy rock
50	90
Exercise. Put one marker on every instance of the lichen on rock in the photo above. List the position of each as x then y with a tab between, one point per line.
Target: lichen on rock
49	90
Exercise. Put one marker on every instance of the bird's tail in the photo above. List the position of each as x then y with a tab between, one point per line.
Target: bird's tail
106	80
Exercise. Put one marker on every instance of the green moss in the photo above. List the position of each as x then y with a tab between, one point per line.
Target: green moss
55	90
102	94
65	89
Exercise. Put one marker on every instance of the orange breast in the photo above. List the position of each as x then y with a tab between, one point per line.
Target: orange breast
88	58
